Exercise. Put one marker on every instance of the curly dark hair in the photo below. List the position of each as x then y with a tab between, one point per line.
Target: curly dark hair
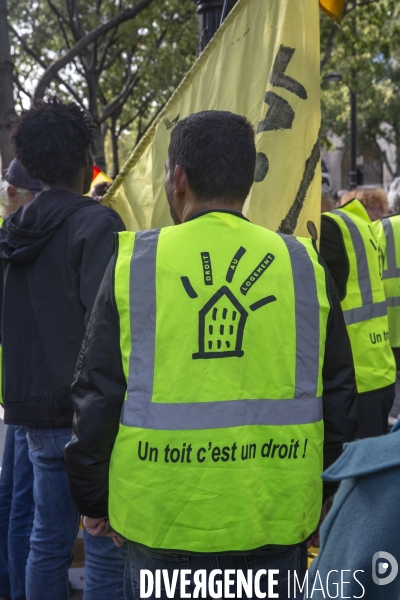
51	140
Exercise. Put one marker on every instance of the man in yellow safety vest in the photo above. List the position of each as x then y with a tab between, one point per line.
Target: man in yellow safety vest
351	251
214	384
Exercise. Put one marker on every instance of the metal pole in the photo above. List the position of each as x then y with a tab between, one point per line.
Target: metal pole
224	11
353	140
209	17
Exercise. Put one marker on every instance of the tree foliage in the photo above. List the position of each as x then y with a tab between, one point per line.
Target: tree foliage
365	50
122	77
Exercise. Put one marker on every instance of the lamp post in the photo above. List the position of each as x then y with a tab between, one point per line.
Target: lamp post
337	78
210	14
209	18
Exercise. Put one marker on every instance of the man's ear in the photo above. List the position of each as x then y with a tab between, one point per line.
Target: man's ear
180	182
12	193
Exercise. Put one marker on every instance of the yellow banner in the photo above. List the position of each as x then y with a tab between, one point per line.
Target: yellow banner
263	63
333	8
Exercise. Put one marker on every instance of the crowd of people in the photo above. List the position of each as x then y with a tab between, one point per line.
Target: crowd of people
183	389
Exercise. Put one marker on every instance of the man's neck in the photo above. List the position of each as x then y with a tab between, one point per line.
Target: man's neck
75	187
191	208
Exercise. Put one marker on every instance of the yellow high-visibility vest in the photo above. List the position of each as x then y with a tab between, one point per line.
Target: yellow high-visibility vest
364	305
222	330
388	231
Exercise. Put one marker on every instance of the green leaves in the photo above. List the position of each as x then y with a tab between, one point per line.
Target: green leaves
123	78
365	50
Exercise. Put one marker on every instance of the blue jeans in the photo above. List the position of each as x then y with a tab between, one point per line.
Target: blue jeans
140	557
56	519
16	512
55	528
104	568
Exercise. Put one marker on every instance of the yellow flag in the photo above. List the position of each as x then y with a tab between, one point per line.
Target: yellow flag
333	8
263	62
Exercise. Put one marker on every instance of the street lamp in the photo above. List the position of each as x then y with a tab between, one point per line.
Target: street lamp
209	17
337	78
210	14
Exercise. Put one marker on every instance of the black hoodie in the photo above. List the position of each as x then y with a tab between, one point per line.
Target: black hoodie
54	253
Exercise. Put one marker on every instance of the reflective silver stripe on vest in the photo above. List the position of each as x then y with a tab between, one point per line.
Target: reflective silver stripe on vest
140	411
368	310
365	313
307	319
394	301
215	415
364	279
142	299
392	270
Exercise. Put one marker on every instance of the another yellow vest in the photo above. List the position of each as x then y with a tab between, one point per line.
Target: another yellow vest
222	328
364	305
388	231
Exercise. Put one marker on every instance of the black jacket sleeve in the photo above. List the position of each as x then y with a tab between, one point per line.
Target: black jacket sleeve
92	256
334	254
98	394
339	387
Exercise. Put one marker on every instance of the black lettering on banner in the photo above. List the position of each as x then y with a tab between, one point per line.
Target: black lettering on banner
169	124
206	261
259	270
312	230
288	225
280	115
234	263
262	167
278	77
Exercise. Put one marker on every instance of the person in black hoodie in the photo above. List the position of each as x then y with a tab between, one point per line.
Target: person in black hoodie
54	253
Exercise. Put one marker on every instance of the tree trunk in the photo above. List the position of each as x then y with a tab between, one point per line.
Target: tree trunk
7	106
98	148
398	154
114	146
92	83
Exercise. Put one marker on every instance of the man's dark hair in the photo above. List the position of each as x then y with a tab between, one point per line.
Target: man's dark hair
217	150
52	139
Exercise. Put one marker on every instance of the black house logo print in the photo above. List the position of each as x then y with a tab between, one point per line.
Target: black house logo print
222	319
